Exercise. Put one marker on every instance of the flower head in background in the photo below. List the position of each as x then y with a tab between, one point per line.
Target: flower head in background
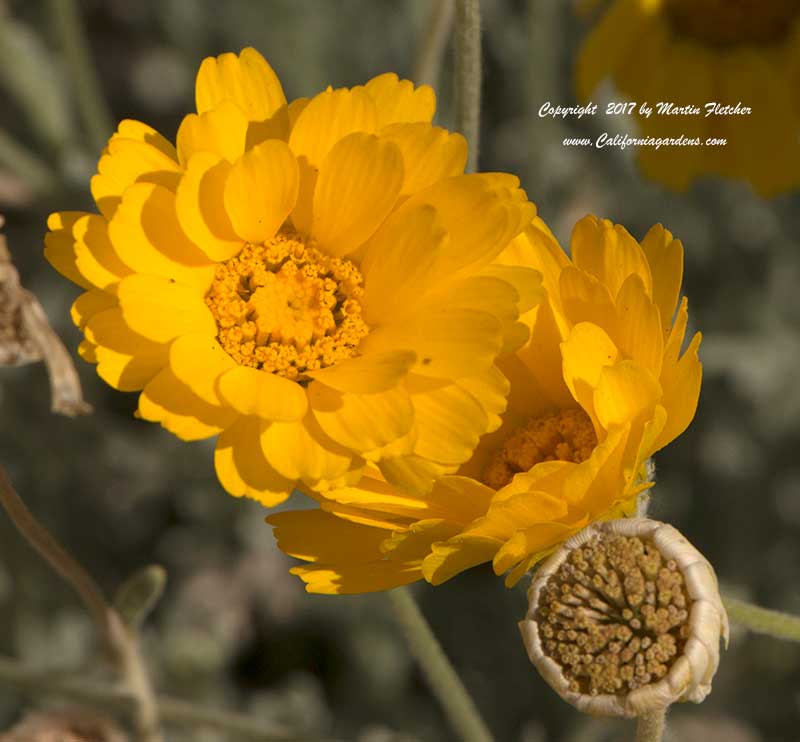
626	618
600	386
312	281
695	52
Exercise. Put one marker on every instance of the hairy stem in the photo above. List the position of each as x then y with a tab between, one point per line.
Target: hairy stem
762	620
441	675
467	49
75	46
433	42
121	643
650	727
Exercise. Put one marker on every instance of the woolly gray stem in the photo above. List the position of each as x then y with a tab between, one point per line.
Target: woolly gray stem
650	727
467	50
443	679
762	620
433	42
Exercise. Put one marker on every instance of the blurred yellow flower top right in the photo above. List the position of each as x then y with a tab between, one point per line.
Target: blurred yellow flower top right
696	52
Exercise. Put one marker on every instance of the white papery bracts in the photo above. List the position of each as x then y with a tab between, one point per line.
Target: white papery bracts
626	618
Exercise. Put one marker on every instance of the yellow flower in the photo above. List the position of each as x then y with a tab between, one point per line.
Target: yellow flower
600	386
694	52
312	281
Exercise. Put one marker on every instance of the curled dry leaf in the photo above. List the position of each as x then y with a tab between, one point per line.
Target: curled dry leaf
26	337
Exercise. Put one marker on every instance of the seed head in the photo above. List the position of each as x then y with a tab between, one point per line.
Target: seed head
624	618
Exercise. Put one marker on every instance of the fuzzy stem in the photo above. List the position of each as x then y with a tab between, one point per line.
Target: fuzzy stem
121	643
75	46
467	50
433	42
763	621
444	681
650	727
110	698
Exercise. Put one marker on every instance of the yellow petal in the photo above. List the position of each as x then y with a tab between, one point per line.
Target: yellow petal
586	352
607	252
262	190
268	396
534	539
397	101
413	473
681	392
481	217
136	153
90	303
430	154
367	374
665	258
147	237
302	451
585	299
167	401
246	79
317	536
398	263
362	422
359	182
641	336
198	361
161	310
356	579
303	212
449	420
449	343
327	118
59	245
125	360
95	257
200	206
242	468
449	558
221	130
491	389
624	392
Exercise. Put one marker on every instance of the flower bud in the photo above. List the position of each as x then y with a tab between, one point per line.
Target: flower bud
624	618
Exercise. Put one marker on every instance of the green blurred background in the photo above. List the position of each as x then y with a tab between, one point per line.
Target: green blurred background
234	628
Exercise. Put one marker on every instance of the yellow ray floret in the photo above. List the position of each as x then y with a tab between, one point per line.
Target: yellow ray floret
598	388
315	282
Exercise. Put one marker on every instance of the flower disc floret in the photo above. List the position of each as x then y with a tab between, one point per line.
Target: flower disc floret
286	308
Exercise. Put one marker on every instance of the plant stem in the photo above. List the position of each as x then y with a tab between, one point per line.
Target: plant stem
650	727
75	46
434	40
58	558
762	620
171	710
121	643
441	675
467	49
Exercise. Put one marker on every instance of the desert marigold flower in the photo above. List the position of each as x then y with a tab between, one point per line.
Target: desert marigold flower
626	618
599	387
312	281
698	52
